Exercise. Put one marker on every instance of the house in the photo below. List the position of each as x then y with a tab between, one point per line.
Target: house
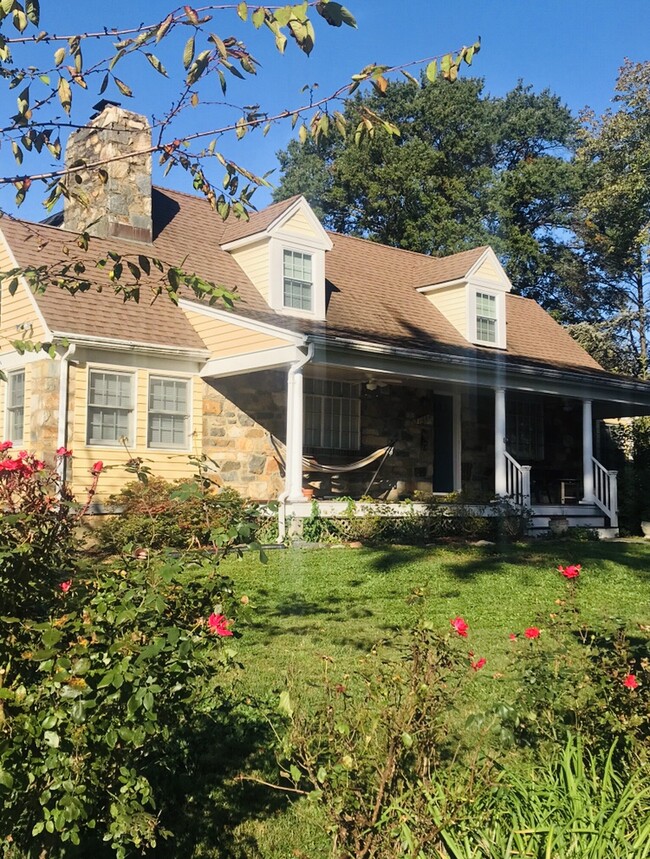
336	347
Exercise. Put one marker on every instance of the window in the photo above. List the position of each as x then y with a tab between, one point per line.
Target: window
168	412
298	281
486	317
110	407
332	414
525	430
16	406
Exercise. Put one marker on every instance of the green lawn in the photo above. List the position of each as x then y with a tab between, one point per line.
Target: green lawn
324	609
307	604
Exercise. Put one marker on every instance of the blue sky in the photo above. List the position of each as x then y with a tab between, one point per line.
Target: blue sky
573	47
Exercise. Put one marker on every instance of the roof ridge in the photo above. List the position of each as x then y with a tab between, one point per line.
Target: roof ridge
407	250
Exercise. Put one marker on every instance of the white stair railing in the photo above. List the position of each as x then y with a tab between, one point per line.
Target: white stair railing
517	481
606	491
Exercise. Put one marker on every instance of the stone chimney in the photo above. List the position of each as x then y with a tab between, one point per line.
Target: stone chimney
116	203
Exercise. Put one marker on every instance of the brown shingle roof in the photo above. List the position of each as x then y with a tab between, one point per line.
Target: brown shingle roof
258	221
372	290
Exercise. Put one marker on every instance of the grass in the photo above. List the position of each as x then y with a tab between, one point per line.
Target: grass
336	603
325	609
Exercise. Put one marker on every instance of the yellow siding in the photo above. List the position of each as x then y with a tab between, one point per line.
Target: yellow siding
452	303
226	338
169	464
254	261
17	311
299	223
489	271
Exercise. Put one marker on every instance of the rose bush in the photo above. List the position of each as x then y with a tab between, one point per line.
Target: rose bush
104	673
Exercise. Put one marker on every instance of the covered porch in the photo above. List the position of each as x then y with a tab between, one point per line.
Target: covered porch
477	431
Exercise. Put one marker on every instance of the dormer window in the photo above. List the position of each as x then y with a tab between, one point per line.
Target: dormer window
486	317
298	280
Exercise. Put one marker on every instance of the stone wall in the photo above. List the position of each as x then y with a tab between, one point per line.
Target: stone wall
119	201
41	437
239	413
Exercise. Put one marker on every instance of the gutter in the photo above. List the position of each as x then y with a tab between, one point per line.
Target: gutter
62	432
282	499
506	363
117	345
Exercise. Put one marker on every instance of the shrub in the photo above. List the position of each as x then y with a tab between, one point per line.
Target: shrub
104	674
155	513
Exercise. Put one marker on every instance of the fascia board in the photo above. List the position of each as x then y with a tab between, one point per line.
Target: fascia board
434	287
23	281
427	366
116	345
265	359
242	321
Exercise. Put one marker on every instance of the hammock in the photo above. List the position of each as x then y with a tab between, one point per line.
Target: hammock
310	464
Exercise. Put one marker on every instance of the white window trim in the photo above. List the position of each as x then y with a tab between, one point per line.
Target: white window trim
500	303
133	421
8	409
177	377
299	244
324	397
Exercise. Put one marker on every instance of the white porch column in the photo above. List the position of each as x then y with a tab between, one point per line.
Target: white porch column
587	453
500	480
294	434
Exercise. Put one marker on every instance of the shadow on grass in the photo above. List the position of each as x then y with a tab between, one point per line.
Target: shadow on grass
205	801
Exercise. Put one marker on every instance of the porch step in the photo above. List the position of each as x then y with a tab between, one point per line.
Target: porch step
577	515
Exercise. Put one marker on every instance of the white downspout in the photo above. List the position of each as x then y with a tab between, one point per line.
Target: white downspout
292	461
62	431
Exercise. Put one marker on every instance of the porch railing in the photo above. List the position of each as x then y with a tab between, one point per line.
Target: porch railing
606	491
517	481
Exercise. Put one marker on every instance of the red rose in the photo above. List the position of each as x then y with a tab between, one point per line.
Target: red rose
532	632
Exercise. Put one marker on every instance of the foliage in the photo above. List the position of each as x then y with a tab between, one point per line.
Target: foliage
466	169
377	523
104	678
186	513
384	757
613	212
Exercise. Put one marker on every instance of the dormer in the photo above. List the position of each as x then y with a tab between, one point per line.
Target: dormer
472	296
282	251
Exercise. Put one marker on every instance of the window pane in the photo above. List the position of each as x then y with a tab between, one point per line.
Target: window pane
332	414
168	412
16	406
110	405
297	280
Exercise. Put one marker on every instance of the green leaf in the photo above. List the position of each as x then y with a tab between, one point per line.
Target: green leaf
52	739
432	71
188	52
123	88
295	773
335	14
65	94
321	775
6	779
155	62
285	706
258	17
242	11
33	10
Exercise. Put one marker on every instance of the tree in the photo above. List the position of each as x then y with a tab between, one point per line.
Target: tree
51	74
466	169
613	213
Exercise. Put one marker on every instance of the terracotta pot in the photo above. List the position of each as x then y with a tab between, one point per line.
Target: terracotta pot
308	492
